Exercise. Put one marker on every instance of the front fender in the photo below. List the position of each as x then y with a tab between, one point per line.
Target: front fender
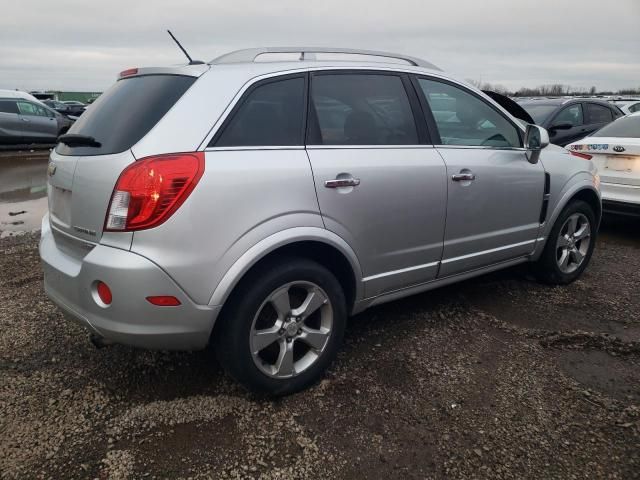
281	239
579	182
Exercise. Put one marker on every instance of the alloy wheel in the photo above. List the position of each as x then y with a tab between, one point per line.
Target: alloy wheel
573	243
291	329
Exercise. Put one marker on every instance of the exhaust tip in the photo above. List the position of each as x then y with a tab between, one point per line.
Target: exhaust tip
98	341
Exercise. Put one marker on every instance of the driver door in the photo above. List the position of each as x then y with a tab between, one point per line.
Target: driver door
494	194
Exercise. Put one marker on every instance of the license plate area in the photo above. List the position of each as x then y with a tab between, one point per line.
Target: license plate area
620	163
60	205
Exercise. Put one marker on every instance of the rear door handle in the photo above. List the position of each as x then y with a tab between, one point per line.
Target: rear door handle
26	120
342	182
463	177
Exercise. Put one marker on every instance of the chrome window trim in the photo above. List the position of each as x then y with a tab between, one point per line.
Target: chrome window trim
366	147
481	147
402	270
486	252
256	147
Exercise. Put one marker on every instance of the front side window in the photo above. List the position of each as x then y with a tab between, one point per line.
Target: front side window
271	115
598	113
361	109
464	119
571	115
635	108
27	108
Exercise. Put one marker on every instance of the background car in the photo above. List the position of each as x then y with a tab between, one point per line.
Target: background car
615	150
24	119
75	108
568	120
627	105
59	107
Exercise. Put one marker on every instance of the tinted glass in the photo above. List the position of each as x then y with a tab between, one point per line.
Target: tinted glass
635	108
538	112
361	109
464	119
271	115
126	112
623	127
571	115
8	106
27	108
598	113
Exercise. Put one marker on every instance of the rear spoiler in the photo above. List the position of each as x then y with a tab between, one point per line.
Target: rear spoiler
510	106
187	70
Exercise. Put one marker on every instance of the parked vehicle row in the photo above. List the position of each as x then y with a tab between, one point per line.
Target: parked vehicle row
257	204
568	120
74	109
24	119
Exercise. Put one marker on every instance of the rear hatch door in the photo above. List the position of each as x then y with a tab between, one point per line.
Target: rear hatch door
82	175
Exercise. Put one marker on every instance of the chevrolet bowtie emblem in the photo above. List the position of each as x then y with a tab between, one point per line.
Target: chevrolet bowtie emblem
51	169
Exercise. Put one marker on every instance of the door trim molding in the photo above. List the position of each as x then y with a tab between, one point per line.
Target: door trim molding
398	272
492	250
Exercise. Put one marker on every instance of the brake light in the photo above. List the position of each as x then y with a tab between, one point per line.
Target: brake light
128	72
150	190
585	156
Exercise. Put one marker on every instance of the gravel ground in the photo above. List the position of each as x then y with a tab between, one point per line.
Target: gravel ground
498	377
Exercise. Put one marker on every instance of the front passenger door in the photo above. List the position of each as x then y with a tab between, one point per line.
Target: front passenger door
38	123
570	115
494	194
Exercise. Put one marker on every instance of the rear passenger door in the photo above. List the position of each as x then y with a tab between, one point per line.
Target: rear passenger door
381	185
494	193
596	117
10	122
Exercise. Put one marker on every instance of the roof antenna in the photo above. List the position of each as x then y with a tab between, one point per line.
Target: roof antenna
191	61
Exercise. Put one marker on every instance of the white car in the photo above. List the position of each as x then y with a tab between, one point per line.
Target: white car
615	150
628	106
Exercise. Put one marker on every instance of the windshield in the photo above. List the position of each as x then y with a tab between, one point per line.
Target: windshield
538	112
623	127
126	112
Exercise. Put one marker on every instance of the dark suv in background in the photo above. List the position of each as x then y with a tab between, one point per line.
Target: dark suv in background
570	119
25	121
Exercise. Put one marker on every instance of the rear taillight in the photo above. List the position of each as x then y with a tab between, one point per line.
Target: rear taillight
150	190
584	156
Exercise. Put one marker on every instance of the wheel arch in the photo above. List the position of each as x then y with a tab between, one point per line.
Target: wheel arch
314	243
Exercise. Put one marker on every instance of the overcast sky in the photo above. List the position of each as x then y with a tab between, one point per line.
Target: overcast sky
82	45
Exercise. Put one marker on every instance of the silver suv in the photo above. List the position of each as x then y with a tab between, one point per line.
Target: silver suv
257	201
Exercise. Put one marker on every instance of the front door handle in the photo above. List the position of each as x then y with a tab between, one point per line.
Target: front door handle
342	182
463	177
26	120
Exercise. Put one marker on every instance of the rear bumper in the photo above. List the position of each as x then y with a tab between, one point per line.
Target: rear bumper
620	199
130	319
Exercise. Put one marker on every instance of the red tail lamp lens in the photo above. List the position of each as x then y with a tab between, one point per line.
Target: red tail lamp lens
164	301
584	156
150	190
128	72
104	292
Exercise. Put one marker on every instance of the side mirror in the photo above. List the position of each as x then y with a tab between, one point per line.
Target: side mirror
535	139
561	126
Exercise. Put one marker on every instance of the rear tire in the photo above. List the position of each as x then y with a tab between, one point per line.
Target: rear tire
569	246
282	326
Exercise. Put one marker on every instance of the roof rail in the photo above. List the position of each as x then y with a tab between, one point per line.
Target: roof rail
308	53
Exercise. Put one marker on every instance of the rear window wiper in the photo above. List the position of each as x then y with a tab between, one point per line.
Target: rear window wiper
73	140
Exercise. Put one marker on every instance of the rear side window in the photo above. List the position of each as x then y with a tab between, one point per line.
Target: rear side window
571	115
623	127
464	119
8	106
598	113
126	112
635	108
272	114
361	109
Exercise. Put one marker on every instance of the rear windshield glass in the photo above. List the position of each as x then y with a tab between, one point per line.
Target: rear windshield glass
624	127
539	113
126	112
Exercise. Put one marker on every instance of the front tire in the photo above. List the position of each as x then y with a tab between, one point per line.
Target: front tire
282	327
569	246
